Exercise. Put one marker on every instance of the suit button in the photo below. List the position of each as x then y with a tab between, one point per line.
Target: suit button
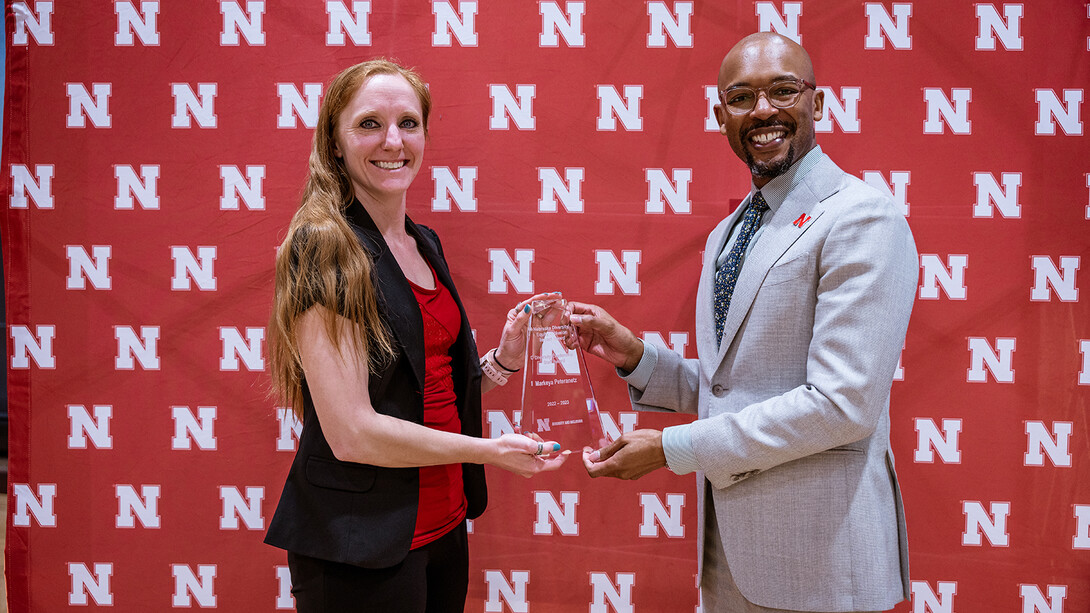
719	390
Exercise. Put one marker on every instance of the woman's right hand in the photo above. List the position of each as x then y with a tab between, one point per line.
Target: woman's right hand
519	454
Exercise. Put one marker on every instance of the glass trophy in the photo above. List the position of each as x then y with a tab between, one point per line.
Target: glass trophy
557	397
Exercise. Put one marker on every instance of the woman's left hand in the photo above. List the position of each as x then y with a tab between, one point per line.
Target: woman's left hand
511	352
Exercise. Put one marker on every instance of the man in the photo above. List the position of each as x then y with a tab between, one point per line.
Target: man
802	307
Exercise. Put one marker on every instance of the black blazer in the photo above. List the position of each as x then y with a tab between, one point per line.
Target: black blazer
358	513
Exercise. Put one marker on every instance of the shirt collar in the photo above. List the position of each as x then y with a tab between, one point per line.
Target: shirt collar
776	190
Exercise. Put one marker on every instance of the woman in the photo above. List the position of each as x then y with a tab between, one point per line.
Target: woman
372	347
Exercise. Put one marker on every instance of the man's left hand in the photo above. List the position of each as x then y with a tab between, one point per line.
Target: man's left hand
632	456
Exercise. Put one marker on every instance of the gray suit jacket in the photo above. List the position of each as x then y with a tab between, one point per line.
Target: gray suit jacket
793	407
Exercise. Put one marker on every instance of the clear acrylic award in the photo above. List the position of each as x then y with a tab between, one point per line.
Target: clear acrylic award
557	397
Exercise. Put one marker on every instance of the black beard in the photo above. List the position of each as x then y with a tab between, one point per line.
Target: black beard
766	170
770	170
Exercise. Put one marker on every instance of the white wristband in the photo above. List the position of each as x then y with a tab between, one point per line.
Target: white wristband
492	370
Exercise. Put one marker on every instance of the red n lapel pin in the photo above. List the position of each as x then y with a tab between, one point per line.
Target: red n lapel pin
801	221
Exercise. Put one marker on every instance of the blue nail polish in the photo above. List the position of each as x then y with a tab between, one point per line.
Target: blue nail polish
556	446
526	309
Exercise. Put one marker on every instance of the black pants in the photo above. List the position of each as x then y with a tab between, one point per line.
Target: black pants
431	579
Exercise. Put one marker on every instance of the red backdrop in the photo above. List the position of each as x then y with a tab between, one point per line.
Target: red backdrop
155	152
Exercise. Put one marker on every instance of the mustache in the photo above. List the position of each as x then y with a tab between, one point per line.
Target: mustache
770	123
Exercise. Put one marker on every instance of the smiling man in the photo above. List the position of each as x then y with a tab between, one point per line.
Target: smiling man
773	131
802	308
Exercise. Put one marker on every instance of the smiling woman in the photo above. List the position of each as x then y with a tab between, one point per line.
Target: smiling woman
380	138
370	344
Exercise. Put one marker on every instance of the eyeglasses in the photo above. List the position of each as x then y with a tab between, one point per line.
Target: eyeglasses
781	94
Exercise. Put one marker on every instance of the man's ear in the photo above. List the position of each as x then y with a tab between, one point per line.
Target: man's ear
720	117
819	104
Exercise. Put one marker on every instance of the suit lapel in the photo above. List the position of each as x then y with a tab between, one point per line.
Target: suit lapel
786	226
705	315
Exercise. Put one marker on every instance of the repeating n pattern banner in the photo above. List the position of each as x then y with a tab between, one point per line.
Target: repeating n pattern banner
155	151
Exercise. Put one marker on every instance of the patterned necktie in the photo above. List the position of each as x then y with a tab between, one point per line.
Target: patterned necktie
727	274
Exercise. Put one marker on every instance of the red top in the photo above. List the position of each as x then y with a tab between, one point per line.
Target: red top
442	497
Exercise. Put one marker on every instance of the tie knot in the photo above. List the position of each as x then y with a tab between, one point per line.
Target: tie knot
758	202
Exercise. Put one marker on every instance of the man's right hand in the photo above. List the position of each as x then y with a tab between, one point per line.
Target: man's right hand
601	335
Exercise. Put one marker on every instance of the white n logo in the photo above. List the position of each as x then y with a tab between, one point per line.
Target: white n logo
998	361
80	103
187	104
144	505
513	592
787	24
131	348
940	108
249	350
187	586
234	185
611	273
1082	527
448	21
96	585
1084	373
504	107
554	22
83	267
342	21
291	428
499	424
845	114
929	440
711	96
568	190
144	187
284	599
661	189
548	509
612	429
36	21
39	186
1033	601
186	267
504	268
664	23
619	595
1057	444
1045	274
993	525
24	346
895	28
188	428
460	189
235	20
142	23
1050	111
82	426
292	104
951	276
924	598
611	108
655	515
235	507
39	504
1007	28
1005	199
